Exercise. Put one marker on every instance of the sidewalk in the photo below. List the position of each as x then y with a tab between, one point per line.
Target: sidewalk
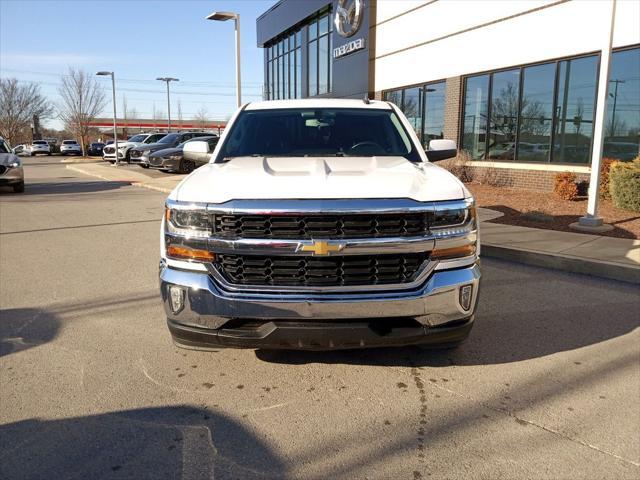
165	184
614	258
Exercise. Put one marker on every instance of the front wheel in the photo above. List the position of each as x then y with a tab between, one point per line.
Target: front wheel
49	154
186	166
32	154
144	165
19	188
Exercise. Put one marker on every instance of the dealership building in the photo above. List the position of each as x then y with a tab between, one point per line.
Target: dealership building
514	83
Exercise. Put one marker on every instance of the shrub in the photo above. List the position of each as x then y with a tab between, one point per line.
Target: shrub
460	166
624	184
565	186
605	167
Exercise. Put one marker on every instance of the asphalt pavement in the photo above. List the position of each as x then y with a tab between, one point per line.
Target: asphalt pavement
547	386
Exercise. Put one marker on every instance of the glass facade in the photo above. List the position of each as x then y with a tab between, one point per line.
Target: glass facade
546	112
284	67
424	108
319	54
622	122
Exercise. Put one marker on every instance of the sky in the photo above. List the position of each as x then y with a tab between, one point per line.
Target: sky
140	41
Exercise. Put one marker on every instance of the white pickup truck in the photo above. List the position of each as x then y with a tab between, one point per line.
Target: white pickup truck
320	224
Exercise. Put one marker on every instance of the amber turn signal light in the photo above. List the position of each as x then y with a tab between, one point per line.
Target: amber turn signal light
185	253
453	252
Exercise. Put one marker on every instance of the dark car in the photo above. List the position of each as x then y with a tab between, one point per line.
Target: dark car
140	155
95	149
172	159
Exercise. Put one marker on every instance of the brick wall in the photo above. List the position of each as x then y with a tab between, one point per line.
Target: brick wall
452	108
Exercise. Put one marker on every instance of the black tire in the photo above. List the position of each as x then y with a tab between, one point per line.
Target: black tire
49	154
186	166
144	165
19	188
127	156
32	154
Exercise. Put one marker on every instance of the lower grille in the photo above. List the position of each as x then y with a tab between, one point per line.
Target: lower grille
321	271
109	150
135	154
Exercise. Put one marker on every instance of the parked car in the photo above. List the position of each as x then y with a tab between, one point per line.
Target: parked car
125	146
21	149
95	149
11	172
320	224
39	147
175	159
140	155
70	147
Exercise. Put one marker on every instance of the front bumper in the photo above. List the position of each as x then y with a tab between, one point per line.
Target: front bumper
12	176
319	321
143	159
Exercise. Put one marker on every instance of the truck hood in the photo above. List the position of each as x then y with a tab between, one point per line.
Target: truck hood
318	178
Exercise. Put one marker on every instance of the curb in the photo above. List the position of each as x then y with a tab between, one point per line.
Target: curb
136	183
565	263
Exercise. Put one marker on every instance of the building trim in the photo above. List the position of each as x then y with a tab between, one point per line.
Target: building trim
411	10
547	167
470	29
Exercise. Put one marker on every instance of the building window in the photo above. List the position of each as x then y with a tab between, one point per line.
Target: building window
622	121
319	53
537	113
424	108
284	67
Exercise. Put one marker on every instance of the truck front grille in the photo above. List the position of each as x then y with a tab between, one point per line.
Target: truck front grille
321	271
321	226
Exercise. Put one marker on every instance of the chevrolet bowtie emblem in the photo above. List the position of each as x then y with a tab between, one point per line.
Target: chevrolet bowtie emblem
321	248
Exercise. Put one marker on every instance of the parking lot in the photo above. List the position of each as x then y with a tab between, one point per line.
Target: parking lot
546	386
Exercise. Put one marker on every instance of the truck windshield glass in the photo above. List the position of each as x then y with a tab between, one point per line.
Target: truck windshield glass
318	132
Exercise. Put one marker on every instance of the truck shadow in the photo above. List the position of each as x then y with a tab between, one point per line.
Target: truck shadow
24	328
65	188
147	443
524	313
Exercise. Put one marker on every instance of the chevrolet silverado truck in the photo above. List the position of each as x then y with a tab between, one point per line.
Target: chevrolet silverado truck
320	224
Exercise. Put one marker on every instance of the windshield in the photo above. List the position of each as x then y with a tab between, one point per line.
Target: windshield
39	142
69	142
318	132
171	138
154	138
137	138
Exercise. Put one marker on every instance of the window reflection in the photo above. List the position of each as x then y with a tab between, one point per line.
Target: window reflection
504	115
622	122
474	135
424	108
537	112
575	110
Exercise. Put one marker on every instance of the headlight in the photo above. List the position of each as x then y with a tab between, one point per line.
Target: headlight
15	163
146	152
175	157
455	231
189	223
121	147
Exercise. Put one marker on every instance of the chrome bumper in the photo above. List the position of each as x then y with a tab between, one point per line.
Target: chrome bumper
206	305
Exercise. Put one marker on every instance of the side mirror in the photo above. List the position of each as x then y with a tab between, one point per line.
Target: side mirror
197	151
441	149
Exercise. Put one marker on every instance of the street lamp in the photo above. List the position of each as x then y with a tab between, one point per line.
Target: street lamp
167	80
115	130
223	17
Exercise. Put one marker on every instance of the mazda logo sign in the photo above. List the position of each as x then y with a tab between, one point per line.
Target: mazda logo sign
348	16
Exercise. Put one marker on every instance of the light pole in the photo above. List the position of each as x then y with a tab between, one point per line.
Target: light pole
167	80
115	130
223	17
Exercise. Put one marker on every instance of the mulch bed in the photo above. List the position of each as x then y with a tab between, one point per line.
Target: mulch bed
529	208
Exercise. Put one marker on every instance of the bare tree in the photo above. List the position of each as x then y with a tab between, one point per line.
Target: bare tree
202	117
18	105
82	102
